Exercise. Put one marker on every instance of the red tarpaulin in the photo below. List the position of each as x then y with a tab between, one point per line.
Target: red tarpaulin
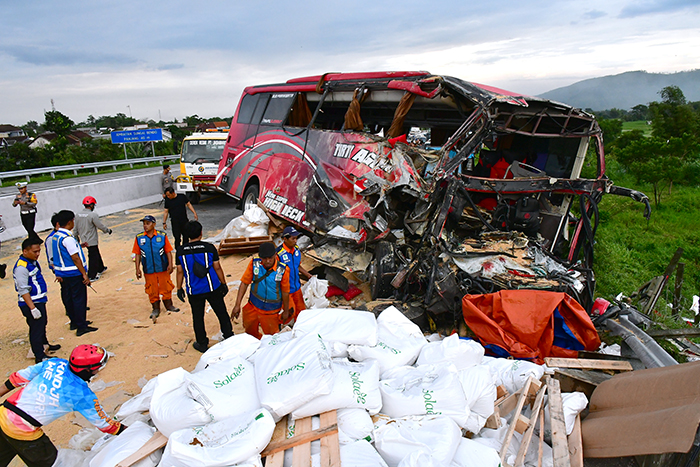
530	324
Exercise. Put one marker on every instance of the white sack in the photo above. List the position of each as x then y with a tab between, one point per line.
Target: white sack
360	454
338	349
472	454
480	393
290	374
420	459
513	374
353	425
124	445
338	325
494	439
228	442
573	404
424	390
399	342
462	353
172	407
73	458
139	403
227	386
314	292
268	340
355	386
437	435
240	345
252	223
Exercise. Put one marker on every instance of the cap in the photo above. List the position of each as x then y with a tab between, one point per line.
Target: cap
290	231
267	250
149	219
20	184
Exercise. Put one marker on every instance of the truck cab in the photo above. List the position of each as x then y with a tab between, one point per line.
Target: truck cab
199	161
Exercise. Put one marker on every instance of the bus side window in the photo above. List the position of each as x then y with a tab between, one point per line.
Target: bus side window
278	108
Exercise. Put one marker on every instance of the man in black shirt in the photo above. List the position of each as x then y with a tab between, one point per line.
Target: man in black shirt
176	206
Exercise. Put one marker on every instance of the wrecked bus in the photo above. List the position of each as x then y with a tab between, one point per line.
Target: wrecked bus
410	179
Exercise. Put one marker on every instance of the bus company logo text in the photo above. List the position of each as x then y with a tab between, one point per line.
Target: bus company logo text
278	204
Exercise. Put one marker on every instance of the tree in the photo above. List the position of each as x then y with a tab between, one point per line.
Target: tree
57	122
673	117
639	112
31	128
612	129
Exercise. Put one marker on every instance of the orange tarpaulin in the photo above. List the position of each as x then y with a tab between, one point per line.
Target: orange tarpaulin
530	324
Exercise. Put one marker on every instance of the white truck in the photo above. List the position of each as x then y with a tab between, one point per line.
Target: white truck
199	161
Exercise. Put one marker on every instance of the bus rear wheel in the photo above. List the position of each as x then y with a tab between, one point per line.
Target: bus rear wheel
250	197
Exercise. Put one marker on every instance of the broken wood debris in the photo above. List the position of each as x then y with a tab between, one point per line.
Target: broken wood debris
300	442
587	364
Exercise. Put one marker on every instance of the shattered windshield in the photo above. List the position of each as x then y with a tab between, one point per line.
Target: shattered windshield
208	150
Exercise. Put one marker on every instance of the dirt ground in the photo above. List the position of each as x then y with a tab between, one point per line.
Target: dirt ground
119	307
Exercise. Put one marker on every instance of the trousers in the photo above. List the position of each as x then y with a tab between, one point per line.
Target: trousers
216	300
37	330
254	318
157	284
95	264
74	292
36	453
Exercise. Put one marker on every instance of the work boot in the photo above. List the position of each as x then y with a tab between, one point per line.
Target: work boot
169	305
156	311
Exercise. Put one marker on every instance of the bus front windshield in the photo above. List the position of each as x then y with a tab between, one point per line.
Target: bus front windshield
203	150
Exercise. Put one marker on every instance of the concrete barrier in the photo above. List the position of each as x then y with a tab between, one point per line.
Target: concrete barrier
123	192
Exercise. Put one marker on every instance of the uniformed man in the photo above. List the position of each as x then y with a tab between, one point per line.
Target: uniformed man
24	413
198	268
32	296
290	255
268	304
166	179
26	200
86	224
154	252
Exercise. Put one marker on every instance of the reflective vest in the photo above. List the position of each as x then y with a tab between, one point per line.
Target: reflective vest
48	243
198	269
293	260
63	264
153	256
36	281
266	288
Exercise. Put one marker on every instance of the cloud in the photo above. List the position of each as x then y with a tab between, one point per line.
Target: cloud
50	56
171	66
594	14
641	8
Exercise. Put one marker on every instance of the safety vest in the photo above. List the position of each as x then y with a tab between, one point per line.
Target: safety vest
36	281
48	243
153	255
266	289
63	264
198	269
293	260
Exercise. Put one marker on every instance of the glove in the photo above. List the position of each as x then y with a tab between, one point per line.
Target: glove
224	289
181	294
35	313
109	231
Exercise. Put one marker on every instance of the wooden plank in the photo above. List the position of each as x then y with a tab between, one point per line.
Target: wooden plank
508	404
527	436
330	446
301	453
677	289
541	451
494	420
518	408
299	439
576	444
522	423
501	391
280	434
586	364
272	218
560	446
157	441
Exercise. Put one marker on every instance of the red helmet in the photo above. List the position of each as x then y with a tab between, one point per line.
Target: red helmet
89	200
88	357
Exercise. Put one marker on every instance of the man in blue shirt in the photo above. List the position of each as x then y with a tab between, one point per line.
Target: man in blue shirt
32	296
70	265
289	254
199	269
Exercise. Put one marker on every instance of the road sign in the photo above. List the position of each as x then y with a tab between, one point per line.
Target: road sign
137	136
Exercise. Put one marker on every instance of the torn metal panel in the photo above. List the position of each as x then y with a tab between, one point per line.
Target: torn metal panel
343	258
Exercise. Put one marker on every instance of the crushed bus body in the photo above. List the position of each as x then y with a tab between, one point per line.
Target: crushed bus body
413	179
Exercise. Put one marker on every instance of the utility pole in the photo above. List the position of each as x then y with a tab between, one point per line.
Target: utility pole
128	106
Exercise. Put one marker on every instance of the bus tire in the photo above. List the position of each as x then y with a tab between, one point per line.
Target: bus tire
250	196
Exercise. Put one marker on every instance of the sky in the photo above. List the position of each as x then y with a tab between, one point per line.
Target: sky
166	60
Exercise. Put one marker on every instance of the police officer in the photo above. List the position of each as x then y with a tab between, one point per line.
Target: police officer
26	201
154	252
199	269
166	179
24	413
70	266
268	304
32	296
290	255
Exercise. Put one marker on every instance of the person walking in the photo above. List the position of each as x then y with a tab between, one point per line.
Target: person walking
86	224
26	200
289	254
50	390
3	266
32	296
154	252
268	304
176	206
199	269
69	264
166	179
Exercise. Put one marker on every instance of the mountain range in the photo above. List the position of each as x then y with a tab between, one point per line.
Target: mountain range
625	90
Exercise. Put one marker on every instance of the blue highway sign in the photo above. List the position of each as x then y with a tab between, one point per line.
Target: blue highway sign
137	136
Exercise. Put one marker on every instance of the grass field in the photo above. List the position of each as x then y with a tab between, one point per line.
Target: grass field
637	125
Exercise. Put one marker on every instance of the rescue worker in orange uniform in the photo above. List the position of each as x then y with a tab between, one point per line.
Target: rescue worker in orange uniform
153	249
289	254
268	304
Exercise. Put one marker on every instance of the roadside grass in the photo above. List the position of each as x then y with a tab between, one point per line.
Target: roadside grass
637	125
81	173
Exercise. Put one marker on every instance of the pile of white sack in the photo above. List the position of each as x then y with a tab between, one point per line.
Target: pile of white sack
402	399
253	223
